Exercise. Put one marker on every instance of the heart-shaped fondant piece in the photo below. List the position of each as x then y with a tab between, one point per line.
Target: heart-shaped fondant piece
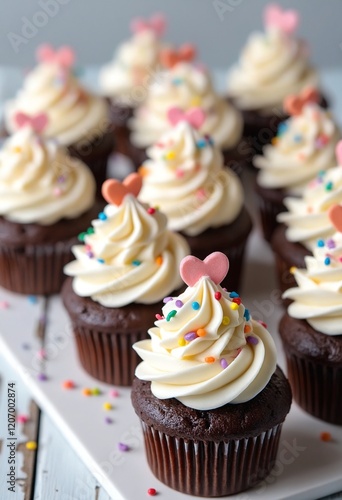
38	122
171	57
338	152
294	104
216	266
335	216
64	56
156	23
194	116
309	94
285	20
114	191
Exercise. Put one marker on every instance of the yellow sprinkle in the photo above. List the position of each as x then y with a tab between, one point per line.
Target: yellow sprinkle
143	171
293	269
181	342
196	101
159	260
234	306
225	320
17	149
170	155
31	445
107	406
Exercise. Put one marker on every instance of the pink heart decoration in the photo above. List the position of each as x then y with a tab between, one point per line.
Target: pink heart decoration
115	191
338	152
170	57
37	122
216	266
194	116
64	56
335	216
285	20
155	23
294	104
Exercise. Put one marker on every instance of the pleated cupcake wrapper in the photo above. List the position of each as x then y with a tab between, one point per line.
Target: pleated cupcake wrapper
96	155
35	269
108	356
286	280
316	387
209	468
268	214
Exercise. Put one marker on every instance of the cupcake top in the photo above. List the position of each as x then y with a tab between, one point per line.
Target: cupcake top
318	297
205	349
273	64
307	217
134	61
185	85
305	145
51	88
40	183
128	254
184	176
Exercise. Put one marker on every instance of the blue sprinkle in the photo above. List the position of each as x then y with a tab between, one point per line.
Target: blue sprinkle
136	262
101	261
195	306
177	81
320	243
234	295
247	315
32	299
297	138
327	261
201	143
102	216
282	128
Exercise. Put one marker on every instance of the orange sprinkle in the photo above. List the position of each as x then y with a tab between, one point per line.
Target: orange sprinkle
159	260
275	140
201	332
247	329
209	359
68	384
86	392
143	171
325	436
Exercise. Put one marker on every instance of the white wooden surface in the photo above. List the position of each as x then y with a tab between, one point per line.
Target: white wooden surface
61	474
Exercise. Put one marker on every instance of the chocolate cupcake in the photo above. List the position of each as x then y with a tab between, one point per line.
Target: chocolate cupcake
185	86
46	198
121	274
125	80
185	177
273	65
311	331
207	368
307	224
52	96
304	146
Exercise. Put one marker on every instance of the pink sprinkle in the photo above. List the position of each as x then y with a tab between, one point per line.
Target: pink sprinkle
151	210
87	247
262	323
160	145
200	193
238	351
123	447
252	340
114	393
179	173
159	316
4	304
223	363
22	419
57	191
41	354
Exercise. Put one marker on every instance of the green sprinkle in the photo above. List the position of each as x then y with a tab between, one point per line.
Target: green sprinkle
96	391
81	236
90	230
171	314
329	186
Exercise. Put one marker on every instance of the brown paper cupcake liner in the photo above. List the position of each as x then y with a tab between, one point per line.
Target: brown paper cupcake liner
210	468
108	356
35	269
316	387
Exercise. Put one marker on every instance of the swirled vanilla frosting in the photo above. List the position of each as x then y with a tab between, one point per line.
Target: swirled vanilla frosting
205	350
318	297
39	181
272	66
185	86
184	176
307	219
133	66
128	256
73	112
305	145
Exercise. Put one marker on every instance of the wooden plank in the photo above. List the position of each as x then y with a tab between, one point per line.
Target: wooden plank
24	458
60	472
